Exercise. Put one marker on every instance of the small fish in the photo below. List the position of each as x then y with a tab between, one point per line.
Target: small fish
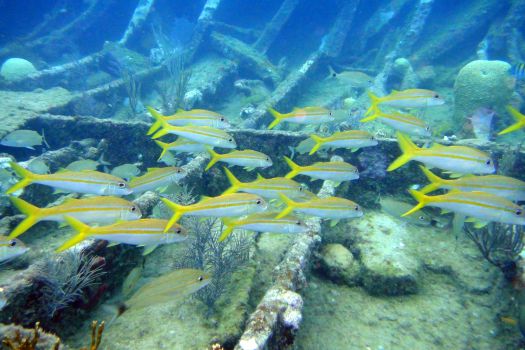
306	115
101	210
402	122
396	208
38	166
458	159
92	182
344	139
411	98
83	164
481	121
144	232
11	248
520	121
267	188
264	222
335	171
181	145
198	117
233	204
169	287
125	171
352	78
155	178
305	146
326	208
518	71
201	134
480	205
131	280
24	139
246	158
503	186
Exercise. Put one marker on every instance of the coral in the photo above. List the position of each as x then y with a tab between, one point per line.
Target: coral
96	335
33	342
221	258
66	278
173	89
16	68
482	84
500	244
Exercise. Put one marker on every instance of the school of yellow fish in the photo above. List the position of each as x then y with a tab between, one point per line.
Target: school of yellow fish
267	204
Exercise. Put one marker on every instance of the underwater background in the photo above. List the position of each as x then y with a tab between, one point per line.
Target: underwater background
293	174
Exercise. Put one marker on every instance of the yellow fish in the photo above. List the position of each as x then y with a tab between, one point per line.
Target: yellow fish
87	181
499	185
181	145
405	123
200	134
411	98
10	248
344	139
306	115
335	171
327	208
102	210
481	205
169	287
233	204
144	232
155	178
199	117
457	159
520	121
246	158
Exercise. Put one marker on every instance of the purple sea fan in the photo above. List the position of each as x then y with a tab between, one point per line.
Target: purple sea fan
373	163
481	121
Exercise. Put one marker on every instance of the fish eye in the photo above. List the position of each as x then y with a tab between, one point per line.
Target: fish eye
334	75
421	217
330	113
436	96
356	208
121	184
178	230
518	212
178	171
222	119
12	243
300	189
298	223
200	278
267	159
258	201
488	162
427	128
133	208
230	140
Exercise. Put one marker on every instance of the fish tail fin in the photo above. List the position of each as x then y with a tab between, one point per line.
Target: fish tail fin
228	229
178	211
27	178
215	157
408	149
318	143
331	73
376	113
278	117
374	100
32	212
159	120
290	206
520	121
420	198
164	147
295	168
435	181
82	232
234	182
160	133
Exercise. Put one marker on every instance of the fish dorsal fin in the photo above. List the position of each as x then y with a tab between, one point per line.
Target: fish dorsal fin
203	197
180	110
152	169
438	146
395	91
260	177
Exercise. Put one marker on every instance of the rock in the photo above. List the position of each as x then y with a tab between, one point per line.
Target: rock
482	84
388	268
339	264
16	69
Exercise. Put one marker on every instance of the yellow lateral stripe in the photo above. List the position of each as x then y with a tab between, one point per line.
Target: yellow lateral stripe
414	122
208	133
462	201
423	153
